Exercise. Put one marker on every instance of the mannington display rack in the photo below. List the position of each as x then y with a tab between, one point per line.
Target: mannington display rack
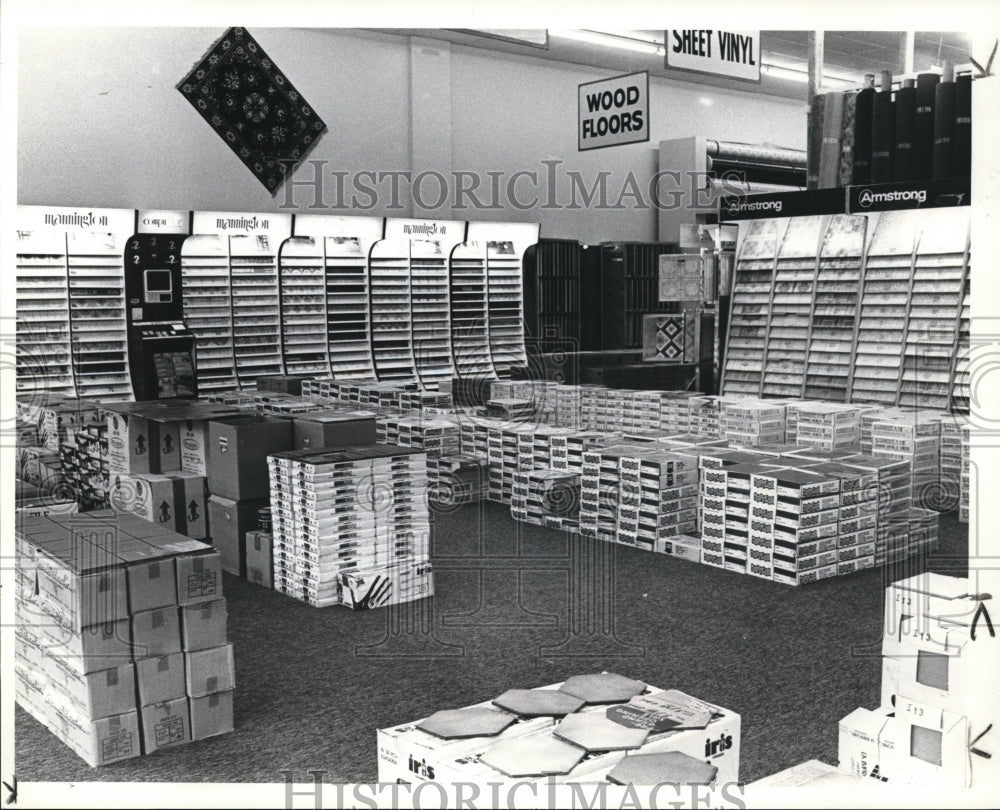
265	294
838	296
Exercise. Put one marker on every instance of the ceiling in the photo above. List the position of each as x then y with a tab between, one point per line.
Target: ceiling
848	55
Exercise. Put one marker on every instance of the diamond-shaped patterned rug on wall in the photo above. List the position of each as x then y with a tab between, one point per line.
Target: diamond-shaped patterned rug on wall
252	106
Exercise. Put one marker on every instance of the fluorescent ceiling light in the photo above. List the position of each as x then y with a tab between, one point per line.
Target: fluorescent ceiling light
608	40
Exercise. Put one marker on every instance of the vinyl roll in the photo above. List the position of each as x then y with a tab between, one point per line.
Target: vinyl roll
944	126
748	153
923	125
961	139
847	139
814	140
903	167
883	131
833	125
861	164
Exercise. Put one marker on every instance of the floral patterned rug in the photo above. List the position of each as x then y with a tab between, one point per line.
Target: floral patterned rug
252	106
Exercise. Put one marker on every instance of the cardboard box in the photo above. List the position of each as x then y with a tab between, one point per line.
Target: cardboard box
151	584
209	671
230	521
175	500
138	445
160	679
99	742
238	448
203	625
165	724
199	578
333	429
211	714
156	632
260	555
94	695
83	599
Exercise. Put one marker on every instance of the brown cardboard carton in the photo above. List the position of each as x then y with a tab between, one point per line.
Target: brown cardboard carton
210	670
259	558
230	521
199	578
238	448
156	632
333	429
211	714
203	626
94	695
165	724
160	679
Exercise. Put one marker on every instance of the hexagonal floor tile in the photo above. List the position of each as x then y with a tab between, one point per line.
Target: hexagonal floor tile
533	756
472	722
655	769
592	731
538	702
605	687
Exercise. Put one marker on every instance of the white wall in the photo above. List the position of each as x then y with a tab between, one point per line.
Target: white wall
101	123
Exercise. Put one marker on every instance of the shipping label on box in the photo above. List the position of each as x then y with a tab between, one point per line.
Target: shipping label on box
165	724
199	578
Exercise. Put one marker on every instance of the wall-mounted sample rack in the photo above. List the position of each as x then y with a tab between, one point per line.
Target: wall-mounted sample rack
304	313
885	322
389	297
208	310
470	335
791	307
835	306
506	243
751	307
44	359
71	300
882	311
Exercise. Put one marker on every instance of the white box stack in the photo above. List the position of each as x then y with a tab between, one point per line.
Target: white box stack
919	444
826	425
748	423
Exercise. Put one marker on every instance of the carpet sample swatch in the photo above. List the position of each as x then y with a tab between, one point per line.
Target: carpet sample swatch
253	107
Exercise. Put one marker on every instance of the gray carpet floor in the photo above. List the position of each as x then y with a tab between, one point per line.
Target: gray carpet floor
523	606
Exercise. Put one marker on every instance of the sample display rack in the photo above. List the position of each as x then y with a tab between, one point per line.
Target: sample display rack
817	313
470	328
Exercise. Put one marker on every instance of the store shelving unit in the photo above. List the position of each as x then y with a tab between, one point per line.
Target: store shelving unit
628	289
95	261
431	313
391	318
253	262
552	271
302	283
940	273
882	314
506	324
347	306
960	378
470	337
791	308
751	307
208	310
835	306
44	360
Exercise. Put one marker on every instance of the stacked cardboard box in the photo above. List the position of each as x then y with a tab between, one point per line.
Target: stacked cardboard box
456	479
383	395
436	436
54	419
360	510
826	425
927	730
919	444
547	497
658	497
283	383
965	481
894	490
238	448
748	423
83	459
703	416
511	410
953	438
120	643
333	427
39	466
30	500
409	753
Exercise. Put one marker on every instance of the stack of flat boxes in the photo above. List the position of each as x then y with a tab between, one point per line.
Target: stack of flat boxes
952	443
658	497
806	525
703	418
599	492
965	483
567	406
83	458
512	410
675	410
121	635
827	426
894	504
456	479
858	519
749	423
546	497
917	443
361	510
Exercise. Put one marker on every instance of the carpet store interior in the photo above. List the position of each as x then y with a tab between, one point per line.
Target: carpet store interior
589	438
